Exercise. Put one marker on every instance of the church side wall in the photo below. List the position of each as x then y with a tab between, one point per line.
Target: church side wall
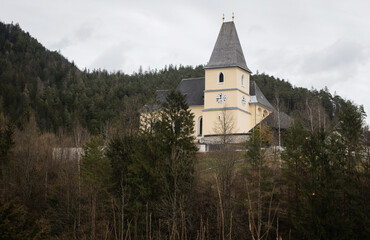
258	114
253	120
213	123
243	123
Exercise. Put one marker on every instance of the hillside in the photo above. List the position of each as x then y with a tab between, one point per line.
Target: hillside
153	184
36	80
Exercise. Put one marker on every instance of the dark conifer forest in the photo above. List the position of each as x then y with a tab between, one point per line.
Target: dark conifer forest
75	164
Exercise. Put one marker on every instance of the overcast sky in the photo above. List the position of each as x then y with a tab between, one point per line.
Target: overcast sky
309	43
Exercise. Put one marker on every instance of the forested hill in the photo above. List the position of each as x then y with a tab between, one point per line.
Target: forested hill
34	80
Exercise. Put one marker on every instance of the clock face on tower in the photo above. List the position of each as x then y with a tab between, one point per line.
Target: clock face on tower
221	98
244	101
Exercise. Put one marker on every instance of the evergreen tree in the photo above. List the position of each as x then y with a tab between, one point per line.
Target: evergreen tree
157	166
355	169
261	184
325	192
6	139
176	129
13	221
6	144
96	174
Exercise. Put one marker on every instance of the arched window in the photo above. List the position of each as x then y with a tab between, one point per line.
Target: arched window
259	111
220	78
200	126
243	81
265	113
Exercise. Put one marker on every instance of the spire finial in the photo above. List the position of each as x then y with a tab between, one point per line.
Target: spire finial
223	17
233	16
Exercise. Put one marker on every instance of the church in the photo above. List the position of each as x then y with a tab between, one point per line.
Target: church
225	101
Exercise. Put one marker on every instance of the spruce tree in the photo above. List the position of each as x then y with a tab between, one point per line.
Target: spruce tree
95	175
175	133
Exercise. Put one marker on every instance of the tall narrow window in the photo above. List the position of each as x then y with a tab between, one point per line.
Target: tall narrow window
221	78
243	81
200	126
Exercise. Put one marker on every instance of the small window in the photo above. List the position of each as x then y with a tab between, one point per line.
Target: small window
265	113
243	81
221	78
219	117
200	126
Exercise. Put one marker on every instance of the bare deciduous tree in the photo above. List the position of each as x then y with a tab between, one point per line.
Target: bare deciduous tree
225	127
223	161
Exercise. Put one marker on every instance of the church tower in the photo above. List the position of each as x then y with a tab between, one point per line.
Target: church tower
227	82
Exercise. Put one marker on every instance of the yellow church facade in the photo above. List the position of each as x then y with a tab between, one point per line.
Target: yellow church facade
225	101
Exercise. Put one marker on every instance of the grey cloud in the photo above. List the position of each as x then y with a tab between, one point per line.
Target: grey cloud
62	43
83	33
343	55
254	29
113	58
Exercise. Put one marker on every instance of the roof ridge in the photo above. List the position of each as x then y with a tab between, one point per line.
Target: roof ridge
186	79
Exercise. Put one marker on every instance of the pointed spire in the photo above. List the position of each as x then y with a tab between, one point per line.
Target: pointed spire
227	51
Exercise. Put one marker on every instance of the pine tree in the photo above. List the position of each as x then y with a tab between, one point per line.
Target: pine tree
176	128
96	174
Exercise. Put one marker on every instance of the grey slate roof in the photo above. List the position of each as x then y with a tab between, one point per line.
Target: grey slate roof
161	97
258	97
162	94
193	90
227	51
272	120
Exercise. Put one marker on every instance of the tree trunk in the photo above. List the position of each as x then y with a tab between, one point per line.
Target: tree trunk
93	209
